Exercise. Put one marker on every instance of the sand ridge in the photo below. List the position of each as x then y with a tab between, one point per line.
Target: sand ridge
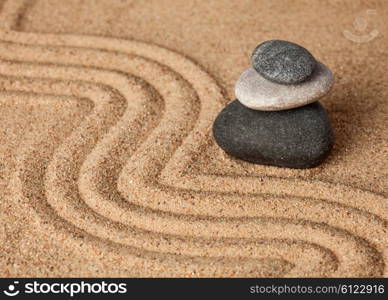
122	178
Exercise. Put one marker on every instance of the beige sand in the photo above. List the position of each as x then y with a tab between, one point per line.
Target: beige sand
108	167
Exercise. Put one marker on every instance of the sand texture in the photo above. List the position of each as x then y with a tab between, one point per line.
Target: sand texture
107	162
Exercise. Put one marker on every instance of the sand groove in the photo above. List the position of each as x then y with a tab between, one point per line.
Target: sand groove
110	176
47	70
27	176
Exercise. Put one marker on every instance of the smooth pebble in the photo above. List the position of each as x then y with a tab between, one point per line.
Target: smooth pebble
296	138
283	62
256	92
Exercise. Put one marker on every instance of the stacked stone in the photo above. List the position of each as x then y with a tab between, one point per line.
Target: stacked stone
276	119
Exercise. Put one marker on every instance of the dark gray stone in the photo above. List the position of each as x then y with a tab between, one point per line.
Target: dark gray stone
283	62
296	138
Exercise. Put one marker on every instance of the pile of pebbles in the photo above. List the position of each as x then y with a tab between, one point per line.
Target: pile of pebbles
276	119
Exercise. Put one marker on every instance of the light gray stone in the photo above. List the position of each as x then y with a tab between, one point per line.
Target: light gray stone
256	92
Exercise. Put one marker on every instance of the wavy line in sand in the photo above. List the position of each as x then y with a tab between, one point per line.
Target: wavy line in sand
180	169
28	177
8	68
330	187
14	11
29	168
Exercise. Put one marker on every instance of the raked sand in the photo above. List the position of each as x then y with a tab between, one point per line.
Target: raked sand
108	166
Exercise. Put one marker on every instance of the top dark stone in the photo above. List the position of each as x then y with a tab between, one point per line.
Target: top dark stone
283	62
